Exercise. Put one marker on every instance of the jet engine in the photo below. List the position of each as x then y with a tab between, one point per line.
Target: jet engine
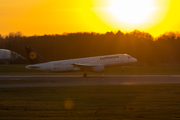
98	69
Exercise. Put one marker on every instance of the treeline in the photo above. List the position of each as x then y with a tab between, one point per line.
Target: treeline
141	45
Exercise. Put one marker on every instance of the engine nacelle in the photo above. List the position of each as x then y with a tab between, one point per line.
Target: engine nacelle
76	69
98	69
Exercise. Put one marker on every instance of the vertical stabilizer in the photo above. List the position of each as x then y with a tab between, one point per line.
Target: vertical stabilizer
34	57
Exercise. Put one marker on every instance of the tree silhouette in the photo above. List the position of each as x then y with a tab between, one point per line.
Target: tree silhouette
141	45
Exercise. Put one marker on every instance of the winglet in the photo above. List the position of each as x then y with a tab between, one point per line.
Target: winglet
34	57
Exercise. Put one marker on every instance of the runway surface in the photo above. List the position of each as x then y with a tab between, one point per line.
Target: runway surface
92	80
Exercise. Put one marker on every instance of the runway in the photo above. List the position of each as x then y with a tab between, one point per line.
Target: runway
91	80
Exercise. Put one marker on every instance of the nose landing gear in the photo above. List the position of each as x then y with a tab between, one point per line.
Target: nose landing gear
85	75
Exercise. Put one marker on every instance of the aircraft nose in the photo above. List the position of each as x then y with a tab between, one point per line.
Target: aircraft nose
135	60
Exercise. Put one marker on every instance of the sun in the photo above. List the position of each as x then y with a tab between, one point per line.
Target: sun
131	11
128	15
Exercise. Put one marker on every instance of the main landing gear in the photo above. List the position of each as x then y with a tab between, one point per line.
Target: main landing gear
85	75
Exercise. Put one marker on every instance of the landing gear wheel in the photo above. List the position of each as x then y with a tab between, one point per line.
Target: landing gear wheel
85	75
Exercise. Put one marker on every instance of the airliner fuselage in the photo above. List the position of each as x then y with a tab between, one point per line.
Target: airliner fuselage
94	64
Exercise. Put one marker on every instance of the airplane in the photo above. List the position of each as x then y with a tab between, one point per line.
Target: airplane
92	64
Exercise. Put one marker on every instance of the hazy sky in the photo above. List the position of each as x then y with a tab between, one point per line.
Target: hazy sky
63	16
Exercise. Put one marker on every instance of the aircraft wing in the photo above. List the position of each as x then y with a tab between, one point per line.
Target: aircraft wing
89	67
83	65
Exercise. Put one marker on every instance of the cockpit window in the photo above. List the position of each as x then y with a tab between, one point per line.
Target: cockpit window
128	57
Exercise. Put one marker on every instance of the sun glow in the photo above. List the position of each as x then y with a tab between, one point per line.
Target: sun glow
128	15
131	11
65	16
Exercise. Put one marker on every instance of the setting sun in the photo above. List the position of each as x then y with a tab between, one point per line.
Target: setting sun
131	11
128	15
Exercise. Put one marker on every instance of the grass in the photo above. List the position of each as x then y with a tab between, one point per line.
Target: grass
136	102
20	70
91	102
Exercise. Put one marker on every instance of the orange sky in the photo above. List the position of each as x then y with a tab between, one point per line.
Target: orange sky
63	16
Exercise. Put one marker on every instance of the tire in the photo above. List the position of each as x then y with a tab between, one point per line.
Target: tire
85	75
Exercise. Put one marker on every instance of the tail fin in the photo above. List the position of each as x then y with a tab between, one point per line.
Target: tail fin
34	57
